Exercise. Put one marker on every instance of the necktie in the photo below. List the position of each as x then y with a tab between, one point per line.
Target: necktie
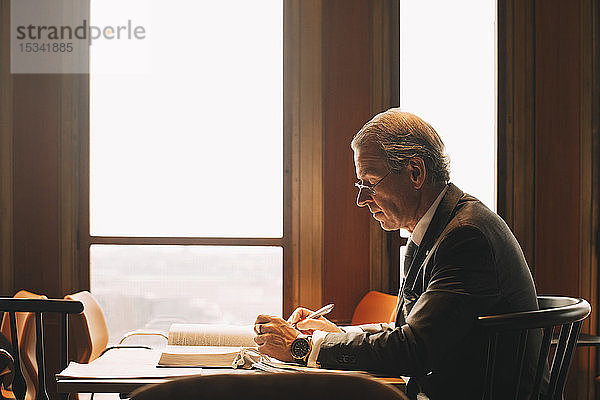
409	255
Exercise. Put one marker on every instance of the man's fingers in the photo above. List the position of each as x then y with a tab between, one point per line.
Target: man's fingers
294	317
321	324
312	324
263	339
277	326
261	319
299	314
267	327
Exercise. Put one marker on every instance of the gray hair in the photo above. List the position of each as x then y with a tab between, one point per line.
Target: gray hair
402	136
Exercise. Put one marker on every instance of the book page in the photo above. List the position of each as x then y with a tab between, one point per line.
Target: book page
205	356
211	335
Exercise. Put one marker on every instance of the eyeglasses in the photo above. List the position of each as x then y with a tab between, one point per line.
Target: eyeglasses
370	189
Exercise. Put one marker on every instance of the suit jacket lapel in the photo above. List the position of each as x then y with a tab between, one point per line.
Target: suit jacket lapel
440	219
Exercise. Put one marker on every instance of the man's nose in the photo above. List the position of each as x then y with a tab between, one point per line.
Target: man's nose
362	198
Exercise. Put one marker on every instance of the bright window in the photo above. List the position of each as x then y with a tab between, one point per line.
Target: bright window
448	78
186	145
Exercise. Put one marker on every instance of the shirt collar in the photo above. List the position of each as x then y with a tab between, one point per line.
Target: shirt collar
423	224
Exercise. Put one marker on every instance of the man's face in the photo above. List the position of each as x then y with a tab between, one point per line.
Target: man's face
394	201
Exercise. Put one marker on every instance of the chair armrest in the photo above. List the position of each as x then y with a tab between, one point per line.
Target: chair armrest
141	332
127	346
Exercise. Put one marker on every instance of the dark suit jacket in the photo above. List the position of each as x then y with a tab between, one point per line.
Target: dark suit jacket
468	264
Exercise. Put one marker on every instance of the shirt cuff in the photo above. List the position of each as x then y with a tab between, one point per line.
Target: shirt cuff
317	339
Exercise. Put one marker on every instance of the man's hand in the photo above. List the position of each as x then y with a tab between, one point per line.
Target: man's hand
275	336
308	326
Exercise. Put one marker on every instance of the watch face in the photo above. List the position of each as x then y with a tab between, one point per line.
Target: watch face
300	348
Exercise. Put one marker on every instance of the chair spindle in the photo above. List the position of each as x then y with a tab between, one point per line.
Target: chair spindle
542	360
19	385
520	359
568	356
64	341
565	331
39	355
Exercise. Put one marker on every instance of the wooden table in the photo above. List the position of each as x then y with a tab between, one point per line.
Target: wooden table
124	370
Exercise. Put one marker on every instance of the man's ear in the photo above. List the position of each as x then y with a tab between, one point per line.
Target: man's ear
418	173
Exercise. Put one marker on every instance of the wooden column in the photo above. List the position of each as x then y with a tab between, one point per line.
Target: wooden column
346	107
303	152
340	68
6	155
385	93
516	121
548	151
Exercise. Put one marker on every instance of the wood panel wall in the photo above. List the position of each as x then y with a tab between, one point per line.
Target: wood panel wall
44	120
385	93
360	79
516	123
548	151
557	172
36	183
347	106
343	72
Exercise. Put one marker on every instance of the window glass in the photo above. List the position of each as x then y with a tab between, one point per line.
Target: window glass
186	140
154	286
186	124
448	78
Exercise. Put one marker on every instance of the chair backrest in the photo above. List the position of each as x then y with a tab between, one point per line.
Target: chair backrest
564	313
24	327
274	386
88	331
25	322
375	307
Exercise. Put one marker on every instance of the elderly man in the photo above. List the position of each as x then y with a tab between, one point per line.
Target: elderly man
461	261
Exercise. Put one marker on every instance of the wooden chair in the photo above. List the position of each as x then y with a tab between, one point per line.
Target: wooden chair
23	324
564	313
375	307
263	386
26	335
88	331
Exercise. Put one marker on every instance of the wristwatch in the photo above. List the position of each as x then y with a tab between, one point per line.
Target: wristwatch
300	348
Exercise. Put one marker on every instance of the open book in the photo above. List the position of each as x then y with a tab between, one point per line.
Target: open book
203	345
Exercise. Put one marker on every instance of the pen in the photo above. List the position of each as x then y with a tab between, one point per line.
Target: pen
316	314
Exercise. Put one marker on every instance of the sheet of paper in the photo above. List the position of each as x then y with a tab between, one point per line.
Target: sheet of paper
125	364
